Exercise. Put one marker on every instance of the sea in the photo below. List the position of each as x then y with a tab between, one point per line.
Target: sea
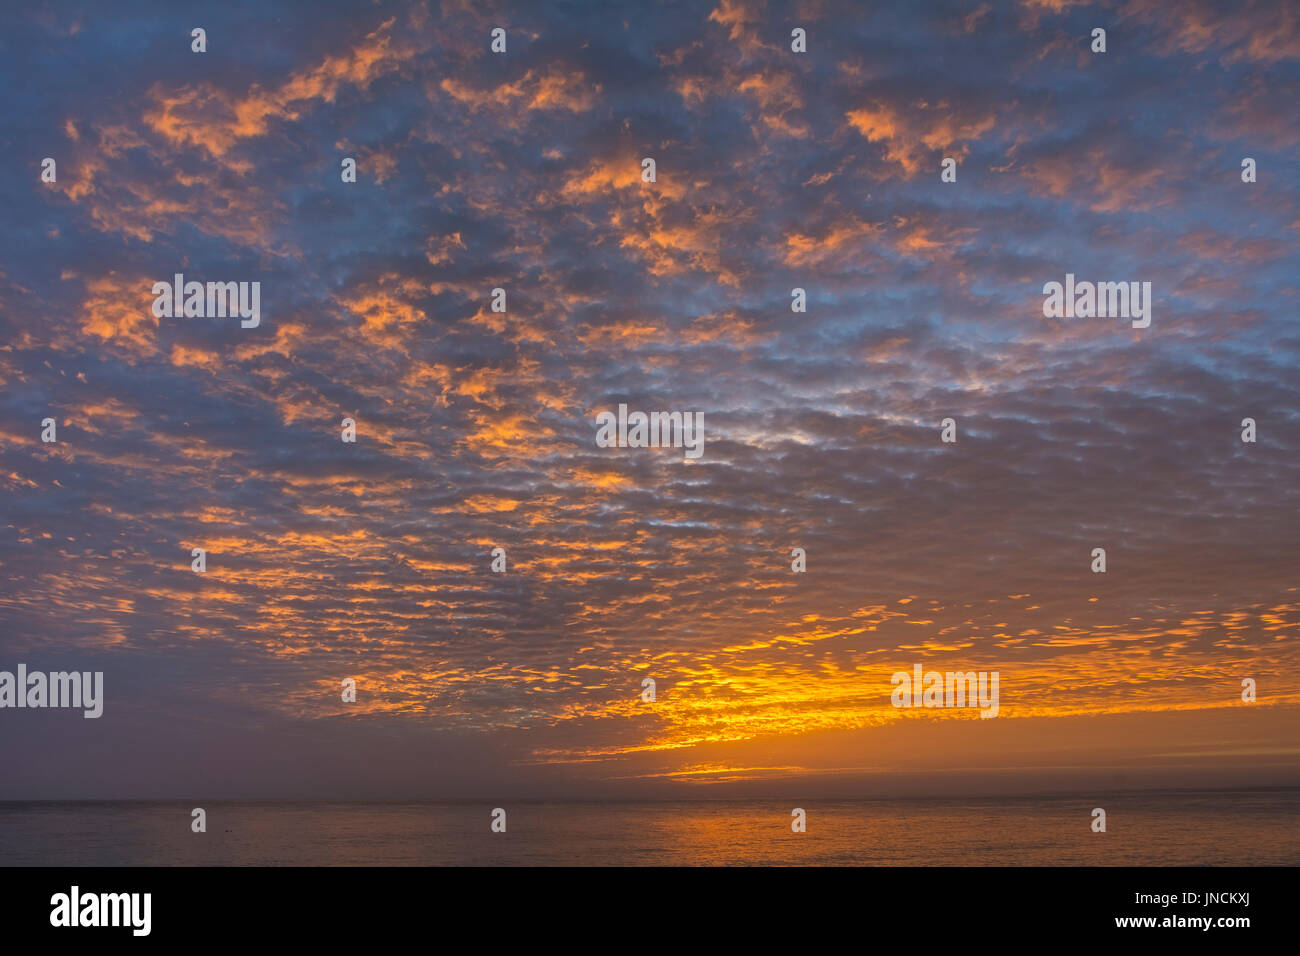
1152	828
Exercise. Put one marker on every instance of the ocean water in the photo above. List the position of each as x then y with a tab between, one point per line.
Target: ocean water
1244	828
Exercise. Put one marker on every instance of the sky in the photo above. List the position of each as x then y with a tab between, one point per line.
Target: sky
476	429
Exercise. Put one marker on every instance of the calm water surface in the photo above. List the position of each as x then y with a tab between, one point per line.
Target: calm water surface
1164	828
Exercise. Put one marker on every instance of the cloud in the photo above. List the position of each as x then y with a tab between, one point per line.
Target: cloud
476	429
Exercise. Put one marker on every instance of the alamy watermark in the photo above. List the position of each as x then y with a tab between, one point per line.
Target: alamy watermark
75	908
953	689
653	430
57	689
1101	300
213	300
